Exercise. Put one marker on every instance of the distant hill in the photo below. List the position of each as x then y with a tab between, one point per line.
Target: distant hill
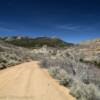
88	42
91	51
91	45
36	42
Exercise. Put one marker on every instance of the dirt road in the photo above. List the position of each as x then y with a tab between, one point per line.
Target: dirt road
30	82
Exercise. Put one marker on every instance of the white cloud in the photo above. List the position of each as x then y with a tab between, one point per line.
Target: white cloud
68	27
4	29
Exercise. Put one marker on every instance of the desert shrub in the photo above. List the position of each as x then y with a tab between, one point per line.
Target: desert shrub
72	61
2	66
10	58
81	60
12	62
11	55
64	78
61	75
53	71
71	66
3	59
67	66
97	63
85	92
66	81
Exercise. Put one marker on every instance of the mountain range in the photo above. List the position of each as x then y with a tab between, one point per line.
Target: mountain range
36	42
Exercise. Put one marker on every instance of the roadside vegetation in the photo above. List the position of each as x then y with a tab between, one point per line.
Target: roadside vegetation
77	67
69	69
11	55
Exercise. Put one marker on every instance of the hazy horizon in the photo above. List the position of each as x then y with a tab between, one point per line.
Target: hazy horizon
73	21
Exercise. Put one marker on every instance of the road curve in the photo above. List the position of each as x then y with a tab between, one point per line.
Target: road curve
28	81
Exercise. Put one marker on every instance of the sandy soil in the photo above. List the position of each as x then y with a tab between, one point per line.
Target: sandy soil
30	82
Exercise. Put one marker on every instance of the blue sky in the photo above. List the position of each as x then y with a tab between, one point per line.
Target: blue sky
71	20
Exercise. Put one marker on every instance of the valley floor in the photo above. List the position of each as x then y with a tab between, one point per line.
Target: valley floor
30	82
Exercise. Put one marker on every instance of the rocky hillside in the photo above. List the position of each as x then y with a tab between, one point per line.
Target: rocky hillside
91	51
36	42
